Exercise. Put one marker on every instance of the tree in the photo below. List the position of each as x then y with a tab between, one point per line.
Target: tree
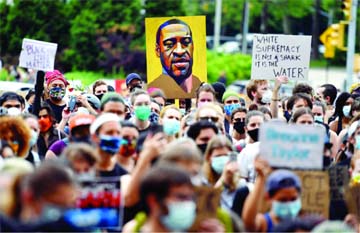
36	19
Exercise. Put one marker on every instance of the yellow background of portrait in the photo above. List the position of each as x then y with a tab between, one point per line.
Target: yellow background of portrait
198	29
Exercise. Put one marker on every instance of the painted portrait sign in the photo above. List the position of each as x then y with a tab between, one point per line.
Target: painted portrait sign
176	55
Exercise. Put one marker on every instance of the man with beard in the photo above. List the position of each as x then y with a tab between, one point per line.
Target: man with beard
256	90
174	46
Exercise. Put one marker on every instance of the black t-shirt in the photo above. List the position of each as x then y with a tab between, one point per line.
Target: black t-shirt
57	110
117	171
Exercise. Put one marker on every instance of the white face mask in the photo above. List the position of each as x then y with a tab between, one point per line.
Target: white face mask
266	98
13	111
346	110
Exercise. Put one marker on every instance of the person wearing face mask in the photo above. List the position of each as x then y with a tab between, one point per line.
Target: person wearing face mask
45	195
256	89
99	88
33	122
220	170
106	134
238	124
246	157
342	114
231	101
16	134
170	118
79	125
283	191
48	133
201	132
56	86
11	100
140	101
319	112
127	152
155	111
168	197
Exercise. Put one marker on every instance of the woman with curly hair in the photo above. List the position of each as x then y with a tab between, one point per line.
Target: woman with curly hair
16	133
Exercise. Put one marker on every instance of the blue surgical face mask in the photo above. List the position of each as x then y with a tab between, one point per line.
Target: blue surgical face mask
110	144
357	142
230	108
346	110
34	138
218	163
319	118
286	210
180	217
171	126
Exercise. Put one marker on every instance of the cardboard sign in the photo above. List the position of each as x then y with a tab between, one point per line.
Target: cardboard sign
207	202
38	55
176	55
315	193
99	205
352	196
280	55
292	146
339	180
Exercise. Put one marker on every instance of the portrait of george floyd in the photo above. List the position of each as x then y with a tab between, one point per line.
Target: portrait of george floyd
176	55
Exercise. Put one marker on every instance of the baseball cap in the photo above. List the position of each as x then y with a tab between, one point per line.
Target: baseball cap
102	119
280	179
51	76
80	119
131	77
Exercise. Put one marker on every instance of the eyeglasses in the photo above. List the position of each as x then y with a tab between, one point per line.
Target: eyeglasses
208	118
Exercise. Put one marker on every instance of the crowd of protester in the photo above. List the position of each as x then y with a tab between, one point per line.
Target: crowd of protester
162	151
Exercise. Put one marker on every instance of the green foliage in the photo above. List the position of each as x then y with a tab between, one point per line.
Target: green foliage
83	41
36	19
236	66
163	8
88	77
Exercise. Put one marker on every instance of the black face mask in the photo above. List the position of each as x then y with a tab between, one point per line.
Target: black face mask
239	127
99	96
254	134
287	115
134	87
202	147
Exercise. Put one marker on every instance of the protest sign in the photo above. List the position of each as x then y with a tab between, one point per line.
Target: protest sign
280	55
38	55
176	55
99	205
292	146
207	202
315	192
352	197
339	180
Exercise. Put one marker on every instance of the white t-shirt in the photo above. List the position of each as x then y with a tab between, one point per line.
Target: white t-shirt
246	161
